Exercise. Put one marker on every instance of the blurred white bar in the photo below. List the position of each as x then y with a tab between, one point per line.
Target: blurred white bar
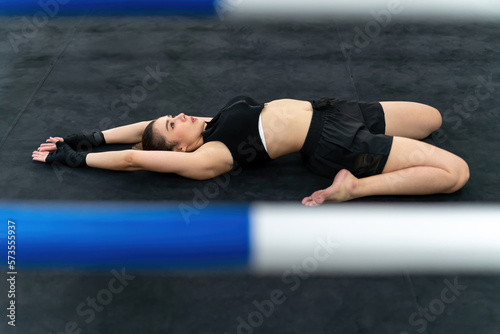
375	239
433	9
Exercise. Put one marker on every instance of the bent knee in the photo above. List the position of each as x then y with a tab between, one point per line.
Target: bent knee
460	174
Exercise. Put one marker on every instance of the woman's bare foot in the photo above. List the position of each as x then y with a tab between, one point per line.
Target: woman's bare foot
341	190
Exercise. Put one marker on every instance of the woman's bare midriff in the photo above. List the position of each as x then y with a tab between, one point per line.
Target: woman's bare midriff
285	123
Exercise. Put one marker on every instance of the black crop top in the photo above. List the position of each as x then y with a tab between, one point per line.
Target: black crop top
237	126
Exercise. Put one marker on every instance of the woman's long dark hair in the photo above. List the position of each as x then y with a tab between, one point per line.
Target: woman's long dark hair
153	142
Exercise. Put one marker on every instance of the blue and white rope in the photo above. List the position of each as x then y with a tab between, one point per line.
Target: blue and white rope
382	11
259	238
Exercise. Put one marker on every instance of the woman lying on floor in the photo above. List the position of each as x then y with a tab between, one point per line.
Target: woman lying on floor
367	148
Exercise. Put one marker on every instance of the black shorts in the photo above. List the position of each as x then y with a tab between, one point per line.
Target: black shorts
346	135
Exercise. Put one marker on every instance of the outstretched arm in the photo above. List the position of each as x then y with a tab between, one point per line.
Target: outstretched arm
127	134
132	133
207	162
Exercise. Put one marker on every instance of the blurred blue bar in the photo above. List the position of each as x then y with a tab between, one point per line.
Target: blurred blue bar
135	236
107	7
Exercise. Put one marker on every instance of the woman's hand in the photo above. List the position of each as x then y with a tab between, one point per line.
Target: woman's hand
43	151
39	156
54	139
51	146
60	152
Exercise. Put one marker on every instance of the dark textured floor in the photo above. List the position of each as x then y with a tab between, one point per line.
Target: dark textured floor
76	73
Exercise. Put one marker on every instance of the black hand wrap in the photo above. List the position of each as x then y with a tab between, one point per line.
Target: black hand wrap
85	140
66	156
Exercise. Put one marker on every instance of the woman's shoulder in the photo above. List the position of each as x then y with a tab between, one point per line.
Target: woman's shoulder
217	154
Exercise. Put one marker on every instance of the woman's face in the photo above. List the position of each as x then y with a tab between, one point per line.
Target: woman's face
185	130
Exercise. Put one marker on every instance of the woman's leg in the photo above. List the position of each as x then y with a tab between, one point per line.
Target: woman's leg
413	168
410	119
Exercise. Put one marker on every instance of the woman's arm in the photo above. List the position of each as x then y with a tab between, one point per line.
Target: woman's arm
127	134
132	133
207	162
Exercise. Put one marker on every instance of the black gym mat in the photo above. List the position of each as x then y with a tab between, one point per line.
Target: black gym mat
78	73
